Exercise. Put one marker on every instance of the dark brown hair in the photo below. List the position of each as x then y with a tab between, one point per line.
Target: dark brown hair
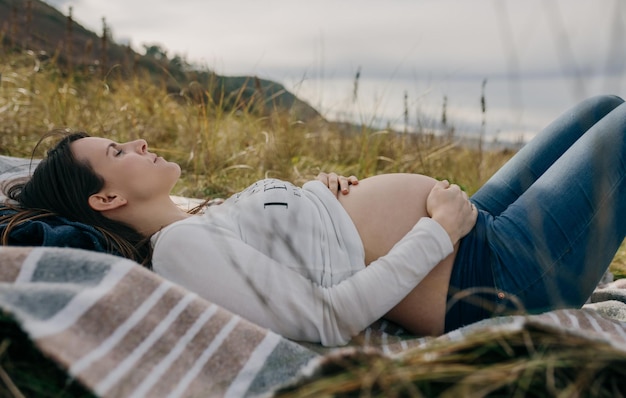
61	186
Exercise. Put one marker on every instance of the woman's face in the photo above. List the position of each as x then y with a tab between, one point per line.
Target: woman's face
128	169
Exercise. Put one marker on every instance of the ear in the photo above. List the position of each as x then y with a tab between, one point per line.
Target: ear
102	202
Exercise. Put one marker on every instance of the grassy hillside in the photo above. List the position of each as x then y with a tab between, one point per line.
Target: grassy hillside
36	26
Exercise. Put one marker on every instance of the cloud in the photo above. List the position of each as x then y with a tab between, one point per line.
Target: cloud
57	3
444	37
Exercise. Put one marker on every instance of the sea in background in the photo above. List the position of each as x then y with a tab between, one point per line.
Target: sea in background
515	109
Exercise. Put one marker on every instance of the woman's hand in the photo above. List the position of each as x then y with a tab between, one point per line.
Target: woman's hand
336	183
450	207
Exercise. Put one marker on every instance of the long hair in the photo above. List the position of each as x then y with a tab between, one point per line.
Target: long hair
61	186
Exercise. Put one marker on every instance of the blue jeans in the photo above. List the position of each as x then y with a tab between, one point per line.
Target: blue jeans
550	220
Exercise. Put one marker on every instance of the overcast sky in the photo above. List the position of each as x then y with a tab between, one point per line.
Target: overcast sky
315	47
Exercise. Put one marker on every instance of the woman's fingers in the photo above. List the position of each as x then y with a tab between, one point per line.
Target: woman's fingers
451	208
345	182
337	183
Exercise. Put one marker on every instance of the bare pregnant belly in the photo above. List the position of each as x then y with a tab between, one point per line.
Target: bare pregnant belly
384	208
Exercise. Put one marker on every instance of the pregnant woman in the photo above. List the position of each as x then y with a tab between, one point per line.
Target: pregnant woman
317	263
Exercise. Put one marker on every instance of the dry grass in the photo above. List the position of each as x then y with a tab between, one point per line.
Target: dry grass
618	266
510	364
219	150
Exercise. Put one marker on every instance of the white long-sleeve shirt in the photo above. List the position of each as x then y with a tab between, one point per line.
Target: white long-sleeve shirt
291	260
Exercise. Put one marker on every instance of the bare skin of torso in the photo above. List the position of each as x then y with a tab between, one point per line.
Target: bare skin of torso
384	208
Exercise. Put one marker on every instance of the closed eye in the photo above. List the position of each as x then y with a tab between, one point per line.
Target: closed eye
115	147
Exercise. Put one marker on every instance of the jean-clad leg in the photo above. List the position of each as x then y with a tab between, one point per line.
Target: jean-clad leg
550	220
519	173
552	244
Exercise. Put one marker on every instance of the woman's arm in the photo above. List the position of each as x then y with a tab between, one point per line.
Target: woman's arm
219	267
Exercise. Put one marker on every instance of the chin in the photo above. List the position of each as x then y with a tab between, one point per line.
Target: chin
175	166
177	172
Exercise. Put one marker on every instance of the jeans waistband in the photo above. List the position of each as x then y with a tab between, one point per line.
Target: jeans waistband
472	294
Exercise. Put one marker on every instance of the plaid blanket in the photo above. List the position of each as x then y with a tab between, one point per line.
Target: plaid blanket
123	331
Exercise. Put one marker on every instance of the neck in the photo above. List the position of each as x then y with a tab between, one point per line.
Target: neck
150	218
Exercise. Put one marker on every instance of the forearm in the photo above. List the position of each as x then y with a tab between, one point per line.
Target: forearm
231	274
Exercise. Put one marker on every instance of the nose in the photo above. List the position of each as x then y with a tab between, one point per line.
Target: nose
141	146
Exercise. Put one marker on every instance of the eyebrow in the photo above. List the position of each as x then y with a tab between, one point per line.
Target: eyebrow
111	145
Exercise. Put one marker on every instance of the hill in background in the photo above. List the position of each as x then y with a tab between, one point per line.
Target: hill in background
37	26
